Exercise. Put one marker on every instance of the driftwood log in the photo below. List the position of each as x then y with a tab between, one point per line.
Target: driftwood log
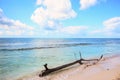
80	61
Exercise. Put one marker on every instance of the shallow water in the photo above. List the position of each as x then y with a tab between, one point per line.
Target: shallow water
21	56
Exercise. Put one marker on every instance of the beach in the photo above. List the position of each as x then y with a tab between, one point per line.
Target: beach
23	58
106	69
59	39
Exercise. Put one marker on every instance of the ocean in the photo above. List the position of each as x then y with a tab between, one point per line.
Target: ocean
22	56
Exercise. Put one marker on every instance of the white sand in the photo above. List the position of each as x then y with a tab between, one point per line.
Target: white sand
107	69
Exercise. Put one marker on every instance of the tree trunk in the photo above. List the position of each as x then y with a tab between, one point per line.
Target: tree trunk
48	71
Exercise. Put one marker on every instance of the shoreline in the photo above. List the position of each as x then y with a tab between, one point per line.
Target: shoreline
108	68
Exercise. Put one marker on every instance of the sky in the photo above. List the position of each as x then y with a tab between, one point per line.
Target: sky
60	18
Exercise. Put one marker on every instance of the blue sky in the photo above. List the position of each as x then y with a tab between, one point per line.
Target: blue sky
60	18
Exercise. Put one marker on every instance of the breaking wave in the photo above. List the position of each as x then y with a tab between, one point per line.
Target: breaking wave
46	47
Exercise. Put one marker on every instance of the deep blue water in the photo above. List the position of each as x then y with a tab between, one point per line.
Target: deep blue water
21	56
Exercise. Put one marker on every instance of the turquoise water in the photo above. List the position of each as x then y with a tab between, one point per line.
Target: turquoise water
22	56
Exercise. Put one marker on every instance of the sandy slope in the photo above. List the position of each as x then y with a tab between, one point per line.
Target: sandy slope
107	69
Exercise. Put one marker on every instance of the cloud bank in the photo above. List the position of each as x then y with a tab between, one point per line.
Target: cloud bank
50	12
10	27
111	27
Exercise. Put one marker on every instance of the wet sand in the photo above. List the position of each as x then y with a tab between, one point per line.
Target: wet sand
106	69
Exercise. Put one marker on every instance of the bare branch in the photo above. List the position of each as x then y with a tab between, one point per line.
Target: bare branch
48	71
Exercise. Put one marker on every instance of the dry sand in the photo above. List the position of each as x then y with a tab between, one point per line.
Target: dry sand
106	69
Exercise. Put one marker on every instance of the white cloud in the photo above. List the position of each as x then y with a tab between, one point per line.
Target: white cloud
68	31
13	27
39	2
73	29
84	4
96	31
112	25
1	33
52	11
111	28
1	11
